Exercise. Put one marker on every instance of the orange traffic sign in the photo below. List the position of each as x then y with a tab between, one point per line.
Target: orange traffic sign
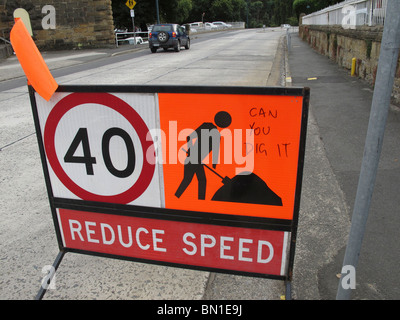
249	167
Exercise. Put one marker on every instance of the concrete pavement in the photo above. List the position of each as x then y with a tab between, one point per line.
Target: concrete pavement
339	109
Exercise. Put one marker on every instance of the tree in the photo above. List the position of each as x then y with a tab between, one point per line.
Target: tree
174	11
256	14
144	13
260	12
183	10
239	10
282	11
303	6
309	6
198	8
222	9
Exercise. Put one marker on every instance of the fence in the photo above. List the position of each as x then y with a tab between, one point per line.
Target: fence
349	14
6	49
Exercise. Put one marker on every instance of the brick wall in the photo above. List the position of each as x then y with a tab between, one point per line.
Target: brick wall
342	45
79	23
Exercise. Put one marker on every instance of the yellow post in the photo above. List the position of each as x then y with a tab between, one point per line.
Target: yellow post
353	66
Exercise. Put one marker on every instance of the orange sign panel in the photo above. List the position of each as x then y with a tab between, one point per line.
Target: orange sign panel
231	154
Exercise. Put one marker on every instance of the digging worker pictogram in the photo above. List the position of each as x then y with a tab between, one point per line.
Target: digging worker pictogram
205	139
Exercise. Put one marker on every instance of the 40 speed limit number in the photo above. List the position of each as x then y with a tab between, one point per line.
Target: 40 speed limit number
99	147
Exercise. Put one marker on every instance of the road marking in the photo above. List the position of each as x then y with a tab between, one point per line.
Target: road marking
47	60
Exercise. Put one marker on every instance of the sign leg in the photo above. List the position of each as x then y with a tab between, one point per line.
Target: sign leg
43	287
288	291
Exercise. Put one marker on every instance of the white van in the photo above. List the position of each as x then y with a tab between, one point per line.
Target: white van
196	25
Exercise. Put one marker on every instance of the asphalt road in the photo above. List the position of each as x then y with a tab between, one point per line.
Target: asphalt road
28	243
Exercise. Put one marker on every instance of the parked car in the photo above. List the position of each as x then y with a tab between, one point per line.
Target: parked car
139	40
168	35
196	25
119	30
210	26
222	25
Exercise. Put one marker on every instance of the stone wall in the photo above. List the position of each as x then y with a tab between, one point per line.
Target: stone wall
342	45
78	23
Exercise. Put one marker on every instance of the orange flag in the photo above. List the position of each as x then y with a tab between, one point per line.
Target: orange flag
32	62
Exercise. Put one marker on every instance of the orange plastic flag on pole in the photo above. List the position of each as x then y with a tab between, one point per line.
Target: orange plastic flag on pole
32	62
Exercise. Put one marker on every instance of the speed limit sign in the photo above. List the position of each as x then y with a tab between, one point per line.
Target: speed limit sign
99	148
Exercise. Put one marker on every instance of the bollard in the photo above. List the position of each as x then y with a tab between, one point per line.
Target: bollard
353	66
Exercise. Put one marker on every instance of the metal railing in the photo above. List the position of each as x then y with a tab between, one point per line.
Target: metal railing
6	49
5	40
349	14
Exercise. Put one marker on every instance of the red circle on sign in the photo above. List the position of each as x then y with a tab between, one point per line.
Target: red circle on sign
75	99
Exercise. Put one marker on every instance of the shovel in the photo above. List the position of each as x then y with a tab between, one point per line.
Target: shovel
225	180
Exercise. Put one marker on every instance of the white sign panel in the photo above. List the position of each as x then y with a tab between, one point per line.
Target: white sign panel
102	160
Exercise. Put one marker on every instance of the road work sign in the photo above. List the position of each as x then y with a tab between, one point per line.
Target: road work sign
206	178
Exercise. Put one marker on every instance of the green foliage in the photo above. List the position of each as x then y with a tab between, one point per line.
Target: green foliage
222	8
256	12
309	6
303	6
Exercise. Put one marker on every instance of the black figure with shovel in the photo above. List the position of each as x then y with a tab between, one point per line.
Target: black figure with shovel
198	149
246	187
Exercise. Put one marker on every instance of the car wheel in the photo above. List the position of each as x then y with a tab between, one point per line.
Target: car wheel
162	36
177	48
187	47
153	50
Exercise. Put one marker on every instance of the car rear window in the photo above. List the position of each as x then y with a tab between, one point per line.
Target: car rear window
162	28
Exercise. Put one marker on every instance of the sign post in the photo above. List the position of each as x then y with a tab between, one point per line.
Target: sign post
131	4
132	174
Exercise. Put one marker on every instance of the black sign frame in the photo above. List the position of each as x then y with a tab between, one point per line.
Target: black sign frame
179	215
